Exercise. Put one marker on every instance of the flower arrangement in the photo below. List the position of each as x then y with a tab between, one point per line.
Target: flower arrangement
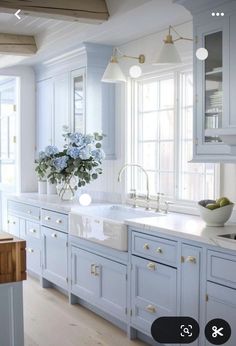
76	165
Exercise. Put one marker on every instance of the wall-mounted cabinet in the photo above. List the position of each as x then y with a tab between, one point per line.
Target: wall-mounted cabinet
70	93
214	80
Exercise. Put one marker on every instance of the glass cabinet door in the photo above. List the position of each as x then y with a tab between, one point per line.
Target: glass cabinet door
213	84
78	101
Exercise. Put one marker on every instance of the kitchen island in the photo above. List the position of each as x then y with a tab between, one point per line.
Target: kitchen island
12	273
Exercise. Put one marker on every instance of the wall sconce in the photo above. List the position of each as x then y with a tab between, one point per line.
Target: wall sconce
169	53
113	72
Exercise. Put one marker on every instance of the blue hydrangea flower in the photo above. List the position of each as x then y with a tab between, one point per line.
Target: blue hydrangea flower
85	153
76	138
42	155
89	139
98	154
74	152
51	150
60	163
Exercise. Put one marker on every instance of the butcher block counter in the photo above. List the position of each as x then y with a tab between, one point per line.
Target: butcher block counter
12	273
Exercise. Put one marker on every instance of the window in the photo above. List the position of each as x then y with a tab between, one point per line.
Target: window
162	139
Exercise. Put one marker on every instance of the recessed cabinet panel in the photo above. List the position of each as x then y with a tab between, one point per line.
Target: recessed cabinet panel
154	292
78	100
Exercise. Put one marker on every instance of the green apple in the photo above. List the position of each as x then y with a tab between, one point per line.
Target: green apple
222	201
212	206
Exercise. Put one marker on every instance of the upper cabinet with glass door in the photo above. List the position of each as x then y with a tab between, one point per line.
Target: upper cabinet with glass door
214	79
78	100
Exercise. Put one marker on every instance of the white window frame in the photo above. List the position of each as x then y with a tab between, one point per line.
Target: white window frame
131	148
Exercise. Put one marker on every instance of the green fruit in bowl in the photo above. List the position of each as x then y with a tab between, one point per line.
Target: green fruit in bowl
212	206
223	201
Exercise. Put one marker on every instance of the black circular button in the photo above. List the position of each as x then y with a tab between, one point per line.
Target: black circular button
217	331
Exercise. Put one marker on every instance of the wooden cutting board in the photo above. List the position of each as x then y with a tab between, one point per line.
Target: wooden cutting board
4	237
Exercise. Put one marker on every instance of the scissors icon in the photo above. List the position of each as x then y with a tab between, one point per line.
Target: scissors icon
217	331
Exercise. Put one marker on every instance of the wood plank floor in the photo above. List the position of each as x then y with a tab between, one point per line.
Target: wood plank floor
51	321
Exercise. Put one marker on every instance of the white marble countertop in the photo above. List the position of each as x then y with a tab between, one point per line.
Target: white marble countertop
173	224
45	201
188	227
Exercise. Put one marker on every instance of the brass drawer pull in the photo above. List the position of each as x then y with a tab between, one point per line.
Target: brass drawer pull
96	273
47	218
92	269
191	259
159	250
151	309
58	221
54	235
151	266
146	246
30	250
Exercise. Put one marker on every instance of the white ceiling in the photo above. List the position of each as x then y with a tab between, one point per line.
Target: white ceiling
129	20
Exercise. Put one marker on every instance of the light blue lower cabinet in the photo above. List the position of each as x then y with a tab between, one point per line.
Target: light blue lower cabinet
33	253
190	283
54	256
153	292
99	281
222	304
11	315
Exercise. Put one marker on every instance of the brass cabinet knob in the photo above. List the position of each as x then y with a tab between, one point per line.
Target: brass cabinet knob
191	259
54	235
58	221
146	246
151	266
32	230
159	250
47	218
150	308
30	250
29	211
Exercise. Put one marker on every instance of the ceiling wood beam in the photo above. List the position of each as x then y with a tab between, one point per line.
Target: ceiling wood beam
89	11
17	44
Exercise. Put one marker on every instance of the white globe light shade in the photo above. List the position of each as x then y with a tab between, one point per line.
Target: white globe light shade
202	53
113	73
85	199
168	55
135	71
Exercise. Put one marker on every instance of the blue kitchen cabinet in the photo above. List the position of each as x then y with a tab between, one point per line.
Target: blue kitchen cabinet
153	292
221	303
99	281
54	256
33	252
190	283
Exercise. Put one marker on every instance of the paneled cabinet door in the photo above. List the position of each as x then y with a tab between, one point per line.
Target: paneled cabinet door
153	292
101	281
190	282
54	249
44	107
13	225
33	252
61	107
222	304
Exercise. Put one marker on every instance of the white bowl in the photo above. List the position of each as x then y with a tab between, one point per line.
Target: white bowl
216	217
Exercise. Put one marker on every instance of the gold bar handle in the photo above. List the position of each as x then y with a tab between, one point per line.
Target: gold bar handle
92	269
96	272
151	309
191	259
151	266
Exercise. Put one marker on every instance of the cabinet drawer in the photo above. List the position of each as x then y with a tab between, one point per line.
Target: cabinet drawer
158	249
25	210
222	268
55	220
32	229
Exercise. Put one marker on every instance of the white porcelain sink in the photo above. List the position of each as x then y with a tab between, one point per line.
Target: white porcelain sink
105	224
